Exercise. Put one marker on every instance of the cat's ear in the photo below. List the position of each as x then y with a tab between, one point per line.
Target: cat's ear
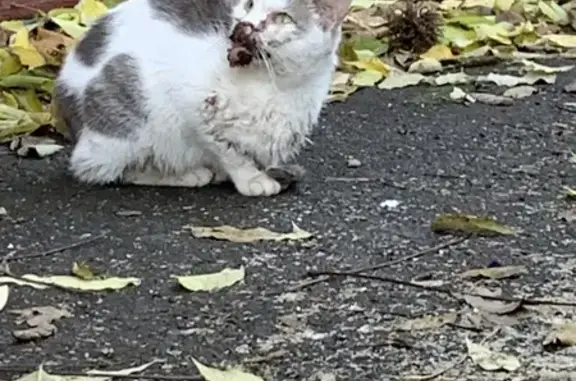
332	12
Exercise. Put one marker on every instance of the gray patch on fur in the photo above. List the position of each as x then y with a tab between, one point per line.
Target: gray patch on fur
114	101
195	16
68	109
92	47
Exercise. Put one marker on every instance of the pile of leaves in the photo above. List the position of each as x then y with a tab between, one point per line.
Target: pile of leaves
392	44
387	44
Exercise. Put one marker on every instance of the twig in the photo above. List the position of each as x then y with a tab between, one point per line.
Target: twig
443	290
164	377
311	282
56	250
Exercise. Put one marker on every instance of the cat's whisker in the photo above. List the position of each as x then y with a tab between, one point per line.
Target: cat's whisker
267	65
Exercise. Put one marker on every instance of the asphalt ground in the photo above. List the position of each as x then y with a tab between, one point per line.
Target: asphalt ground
415	146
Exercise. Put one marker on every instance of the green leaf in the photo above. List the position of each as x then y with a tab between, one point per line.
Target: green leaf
554	12
470	224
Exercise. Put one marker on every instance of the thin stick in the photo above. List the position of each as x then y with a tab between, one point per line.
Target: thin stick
164	377
56	250
442	290
429	250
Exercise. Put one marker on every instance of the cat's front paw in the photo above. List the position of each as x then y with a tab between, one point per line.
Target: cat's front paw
260	185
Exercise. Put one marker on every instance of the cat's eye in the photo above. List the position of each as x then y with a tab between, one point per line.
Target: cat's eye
249	5
282	18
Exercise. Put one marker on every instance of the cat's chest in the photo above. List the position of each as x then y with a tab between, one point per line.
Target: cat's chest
269	124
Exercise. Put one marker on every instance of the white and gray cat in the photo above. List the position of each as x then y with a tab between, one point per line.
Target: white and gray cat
150	98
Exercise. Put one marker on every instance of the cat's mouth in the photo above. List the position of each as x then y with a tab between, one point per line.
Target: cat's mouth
246	45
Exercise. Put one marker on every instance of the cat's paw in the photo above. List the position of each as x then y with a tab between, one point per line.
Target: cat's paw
260	185
196	178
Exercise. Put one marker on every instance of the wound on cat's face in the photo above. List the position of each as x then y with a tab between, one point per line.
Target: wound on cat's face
293	32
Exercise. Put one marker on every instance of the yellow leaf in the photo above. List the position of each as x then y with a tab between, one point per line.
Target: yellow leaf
366	78
398	79
90	11
458	36
12	25
340	78
9	64
28	55
554	12
470	224
439	52
562	40
15	122
212	374
82	271
238	235
19	282
496	32
504	5
71	282
374	64
4	290
211	282
69	21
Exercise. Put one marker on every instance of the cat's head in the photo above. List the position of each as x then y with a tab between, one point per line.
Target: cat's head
294	34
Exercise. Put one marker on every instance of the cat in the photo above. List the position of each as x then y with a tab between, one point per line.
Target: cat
149	98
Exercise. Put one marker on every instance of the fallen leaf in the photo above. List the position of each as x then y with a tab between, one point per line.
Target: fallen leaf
20	282
425	66
367	78
399	79
532	66
501	272
561	334
213	374
490	360
34	146
71	282
82	271
520	92
4	291
452	79
238	235
438	52
457	94
571	87
554	12
40	320
511	80
20	45
122	372
69	21
90	11
570	193
493	306
41	375
470	224
53	46
428	322
211	282
492	99
562	40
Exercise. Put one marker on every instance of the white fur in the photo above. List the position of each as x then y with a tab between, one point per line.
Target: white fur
192	90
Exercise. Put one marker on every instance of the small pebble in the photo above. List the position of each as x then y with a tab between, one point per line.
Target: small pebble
571	87
353	163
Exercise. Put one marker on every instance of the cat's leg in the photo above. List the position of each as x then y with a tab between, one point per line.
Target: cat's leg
194	178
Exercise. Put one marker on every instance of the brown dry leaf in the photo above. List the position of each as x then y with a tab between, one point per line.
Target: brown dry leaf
53	46
239	235
40	320
561	334
428	322
495	272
